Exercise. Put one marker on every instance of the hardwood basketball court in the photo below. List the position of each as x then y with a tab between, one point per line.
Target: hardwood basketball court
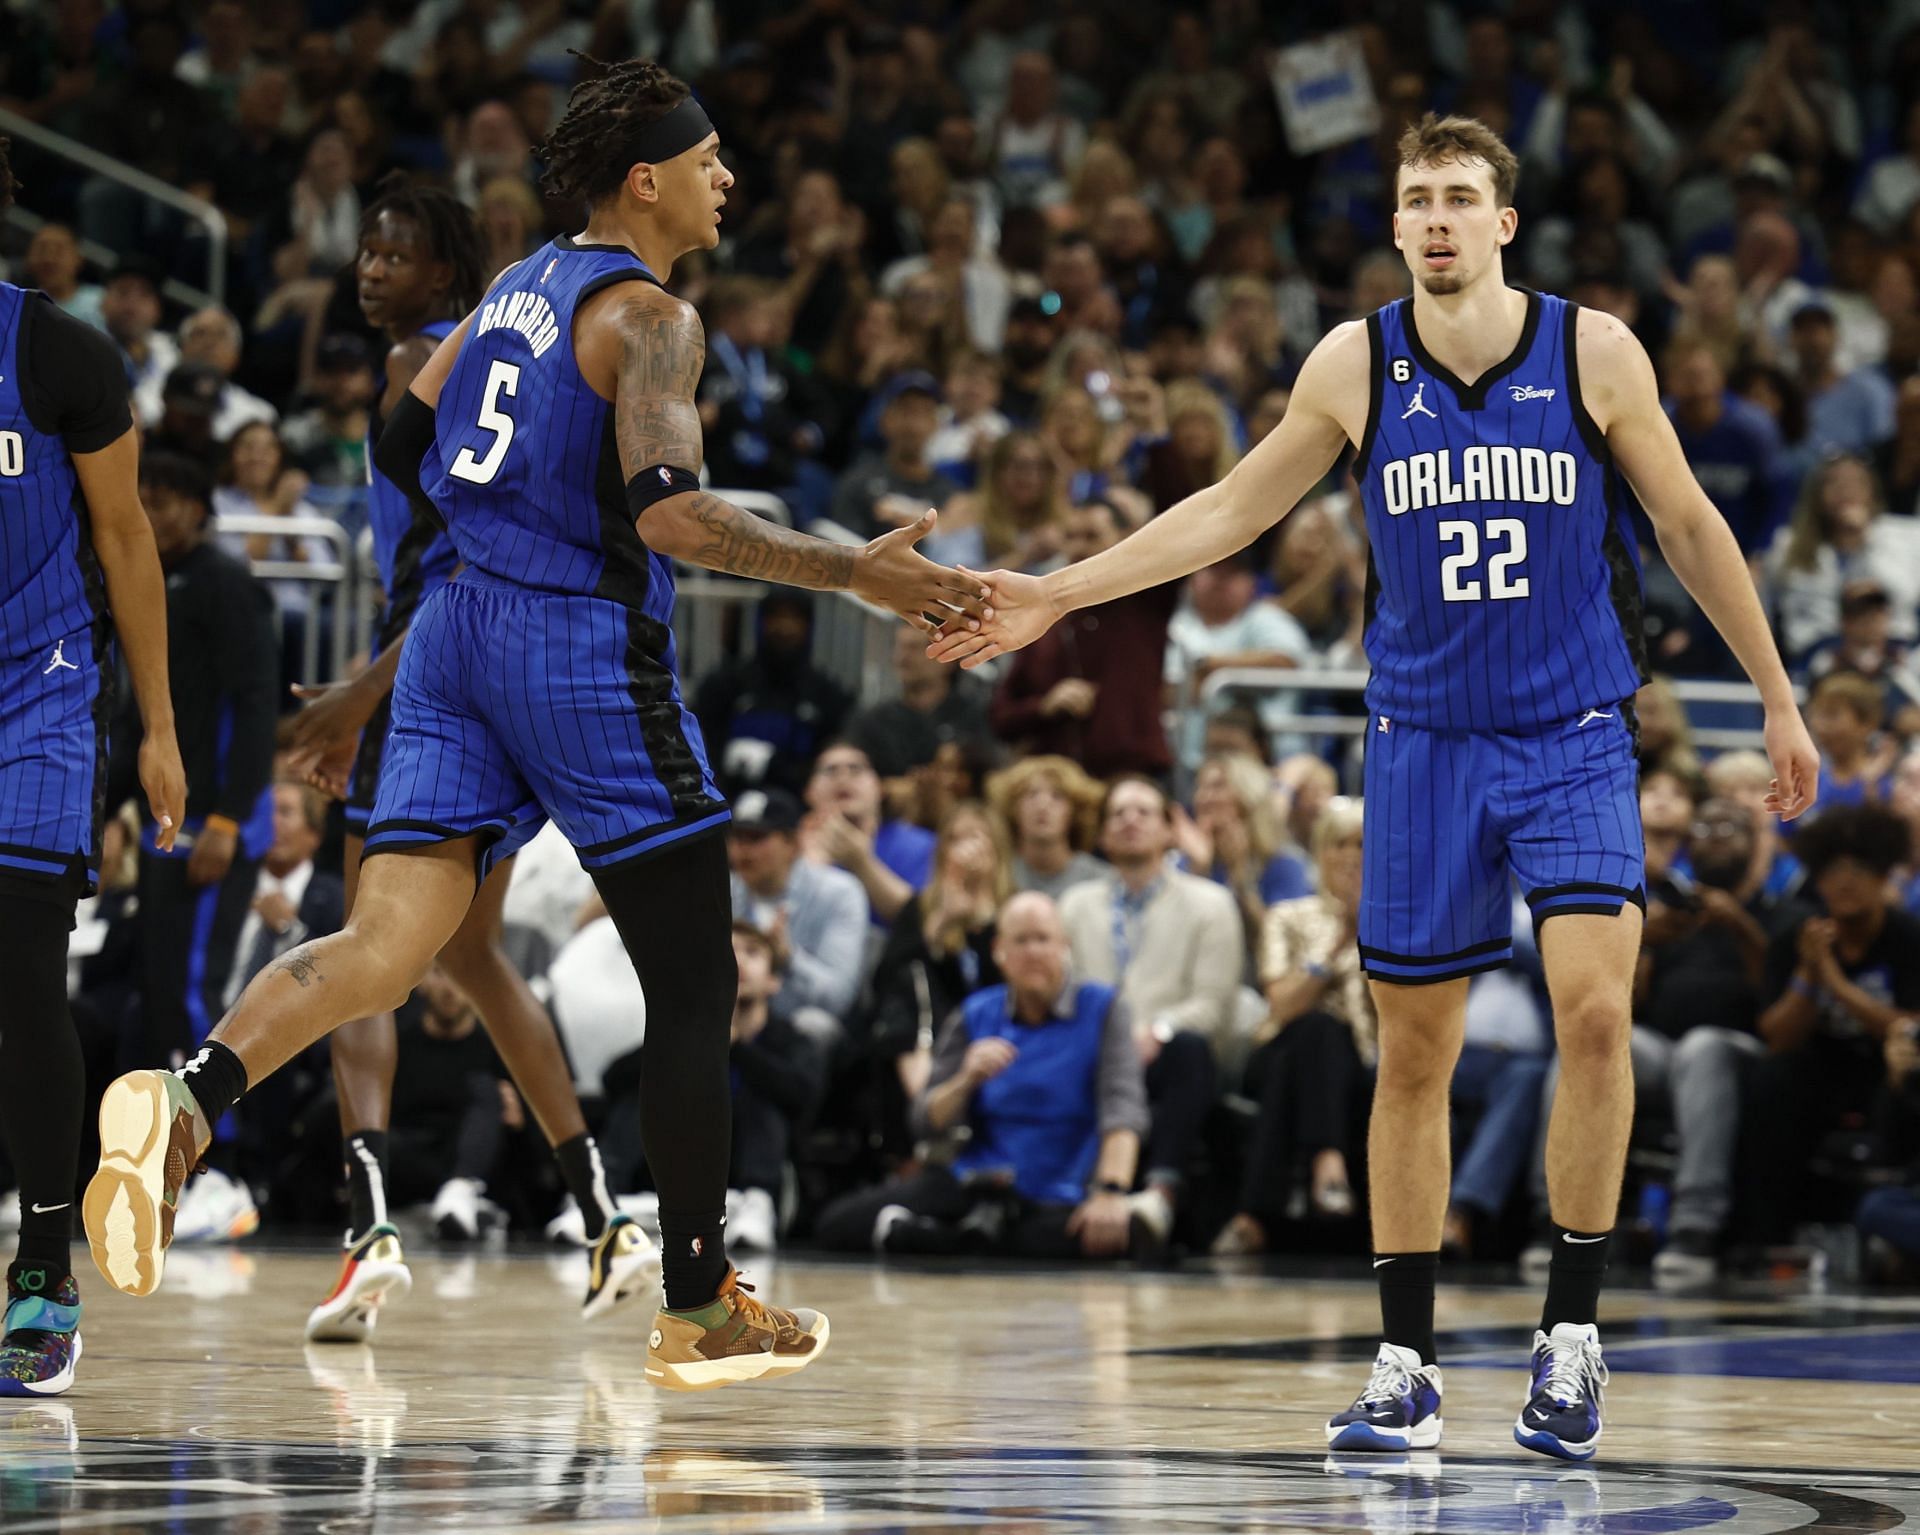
950	1400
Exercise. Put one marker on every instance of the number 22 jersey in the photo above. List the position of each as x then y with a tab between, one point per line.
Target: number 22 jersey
1504	588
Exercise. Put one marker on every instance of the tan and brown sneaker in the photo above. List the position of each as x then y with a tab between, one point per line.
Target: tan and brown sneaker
734	1338
151	1135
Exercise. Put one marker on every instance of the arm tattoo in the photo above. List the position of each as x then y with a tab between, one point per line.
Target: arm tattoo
745	545
299	964
657	422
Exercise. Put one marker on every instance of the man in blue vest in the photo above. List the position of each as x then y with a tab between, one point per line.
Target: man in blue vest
1043	1073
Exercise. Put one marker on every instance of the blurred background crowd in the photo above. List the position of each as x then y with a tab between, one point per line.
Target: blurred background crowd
1052	267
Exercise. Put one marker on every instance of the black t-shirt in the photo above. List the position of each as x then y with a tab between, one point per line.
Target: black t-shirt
73	380
1889	971
1702	979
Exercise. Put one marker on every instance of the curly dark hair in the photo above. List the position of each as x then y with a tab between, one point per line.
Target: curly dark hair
1870	835
588	156
6	176
447	225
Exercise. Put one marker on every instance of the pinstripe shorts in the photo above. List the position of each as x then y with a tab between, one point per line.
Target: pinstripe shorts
53	741
513	707
1454	819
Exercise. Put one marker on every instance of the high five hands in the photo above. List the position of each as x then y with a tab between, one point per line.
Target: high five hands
1016	611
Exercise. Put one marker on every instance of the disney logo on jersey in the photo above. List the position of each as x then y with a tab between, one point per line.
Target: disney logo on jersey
1530	392
1483	473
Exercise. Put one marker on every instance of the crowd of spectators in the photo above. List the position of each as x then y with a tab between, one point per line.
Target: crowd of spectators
1063	958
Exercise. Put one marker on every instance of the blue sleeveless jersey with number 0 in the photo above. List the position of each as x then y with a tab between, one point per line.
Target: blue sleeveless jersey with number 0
1504	591
524	466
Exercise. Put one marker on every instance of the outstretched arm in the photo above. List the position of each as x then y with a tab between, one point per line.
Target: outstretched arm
1328	409
657	425
1618	386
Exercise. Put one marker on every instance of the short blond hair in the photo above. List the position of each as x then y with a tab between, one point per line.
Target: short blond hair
1341	821
1006	788
1438	140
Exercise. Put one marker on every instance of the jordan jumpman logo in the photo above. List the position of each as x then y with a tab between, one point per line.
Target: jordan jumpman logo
1419	407
59	660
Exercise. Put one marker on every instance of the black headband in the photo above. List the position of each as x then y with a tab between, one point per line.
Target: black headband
674	134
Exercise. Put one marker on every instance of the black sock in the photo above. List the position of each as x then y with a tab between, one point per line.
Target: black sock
1406	1299
42	1075
693	1258
216	1078
586	1177
1573	1282
365	1154
38	1275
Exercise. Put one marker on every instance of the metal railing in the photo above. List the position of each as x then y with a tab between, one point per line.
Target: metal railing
332	584
1725	699
95	163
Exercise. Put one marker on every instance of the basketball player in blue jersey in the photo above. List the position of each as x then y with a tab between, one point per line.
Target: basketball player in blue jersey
1498	434
556	433
77	561
420	267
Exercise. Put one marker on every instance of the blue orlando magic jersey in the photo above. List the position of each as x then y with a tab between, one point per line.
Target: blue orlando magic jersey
524	466
412	554
49	584
1504	593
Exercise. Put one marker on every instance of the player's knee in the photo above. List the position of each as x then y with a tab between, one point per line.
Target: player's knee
1592	1031
1413	1064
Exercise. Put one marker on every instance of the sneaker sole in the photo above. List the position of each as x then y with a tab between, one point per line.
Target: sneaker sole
121	1207
629	1276
1548	1444
1365	1437
349	1316
712	1374
53	1385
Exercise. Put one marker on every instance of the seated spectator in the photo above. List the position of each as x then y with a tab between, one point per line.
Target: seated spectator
1076	691
953	255
1221	625
130	312
1042	1072
259	482
760	418
1666	738
816	917
937	704
940	948
1320	573
1172	944
53	263
1842	981
1310	1062
328	440
1730	444
1034	148
971	423
449	1109
777	1080
764	715
1847	412
1303	786
1840	532
1844	716
1746	777
845	827
1233	838
1866	648
1017	517
1503	1061
1052	809
1236	731
888	490
1889	1217
210	339
292	901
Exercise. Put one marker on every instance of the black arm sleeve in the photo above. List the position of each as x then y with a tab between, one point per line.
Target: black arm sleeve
402	445
76	380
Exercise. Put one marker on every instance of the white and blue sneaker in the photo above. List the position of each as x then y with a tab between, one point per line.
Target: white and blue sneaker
1398	1410
1562	1415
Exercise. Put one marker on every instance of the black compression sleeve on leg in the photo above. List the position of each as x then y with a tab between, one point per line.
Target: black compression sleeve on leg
674	912
42	1076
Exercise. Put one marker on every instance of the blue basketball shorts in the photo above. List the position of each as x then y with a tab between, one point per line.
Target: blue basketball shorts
1455	819
513	707
53	743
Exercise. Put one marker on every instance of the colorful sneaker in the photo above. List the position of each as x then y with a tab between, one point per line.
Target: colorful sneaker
151	1134
370	1270
42	1338
1398	1410
620	1266
732	1338
1562	1416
